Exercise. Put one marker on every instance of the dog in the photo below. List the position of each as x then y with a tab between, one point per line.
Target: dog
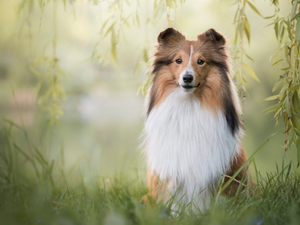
192	134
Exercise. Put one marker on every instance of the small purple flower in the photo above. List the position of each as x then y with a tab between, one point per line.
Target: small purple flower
260	222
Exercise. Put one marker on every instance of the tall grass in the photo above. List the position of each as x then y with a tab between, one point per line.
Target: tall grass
37	190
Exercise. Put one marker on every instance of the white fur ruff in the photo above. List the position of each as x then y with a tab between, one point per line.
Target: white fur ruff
188	146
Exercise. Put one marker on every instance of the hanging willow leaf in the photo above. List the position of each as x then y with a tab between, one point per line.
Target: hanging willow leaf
271	98
234	3
269	17
273	108
282	30
104	24
41	3
278	61
286	68
295	122
247	29
114	47
296	16
293	88
254	8
274	22
251	72
236	36
145	55
137	19
296	103
110	29
297	34
293	12
65	4
298	152
287	107
276	30
171	3
249	57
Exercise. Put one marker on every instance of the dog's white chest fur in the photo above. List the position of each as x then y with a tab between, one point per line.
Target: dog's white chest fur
188	146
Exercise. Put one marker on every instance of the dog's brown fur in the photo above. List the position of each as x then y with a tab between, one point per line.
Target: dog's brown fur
215	92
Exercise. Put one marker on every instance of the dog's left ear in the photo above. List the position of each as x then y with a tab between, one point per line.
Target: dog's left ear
170	36
213	36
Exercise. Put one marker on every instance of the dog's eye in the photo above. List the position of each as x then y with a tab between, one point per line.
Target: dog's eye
178	61
200	62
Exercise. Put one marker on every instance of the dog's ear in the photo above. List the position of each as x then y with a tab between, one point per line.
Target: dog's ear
213	36
168	36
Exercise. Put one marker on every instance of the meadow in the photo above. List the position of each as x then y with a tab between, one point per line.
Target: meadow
72	79
48	195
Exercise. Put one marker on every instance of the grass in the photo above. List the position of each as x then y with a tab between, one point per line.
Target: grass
37	190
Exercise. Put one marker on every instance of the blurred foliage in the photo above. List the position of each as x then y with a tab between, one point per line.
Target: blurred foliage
287	109
242	29
122	14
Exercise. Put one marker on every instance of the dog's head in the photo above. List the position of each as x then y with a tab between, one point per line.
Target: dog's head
188	64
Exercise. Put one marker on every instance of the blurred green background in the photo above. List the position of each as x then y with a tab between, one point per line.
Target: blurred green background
103	114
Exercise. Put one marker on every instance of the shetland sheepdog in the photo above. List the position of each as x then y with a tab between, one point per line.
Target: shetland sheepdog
192	135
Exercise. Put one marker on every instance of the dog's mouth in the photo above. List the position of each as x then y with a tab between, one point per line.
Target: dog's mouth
187	87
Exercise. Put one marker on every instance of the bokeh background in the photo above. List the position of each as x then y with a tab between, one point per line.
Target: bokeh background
103	110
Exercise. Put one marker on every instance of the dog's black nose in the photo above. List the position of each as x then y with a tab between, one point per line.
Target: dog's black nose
187	78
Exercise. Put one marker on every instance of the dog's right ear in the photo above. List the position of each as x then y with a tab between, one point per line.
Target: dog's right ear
169	35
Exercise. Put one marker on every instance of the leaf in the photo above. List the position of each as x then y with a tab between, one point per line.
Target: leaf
293	12
295	122
269	17
271	98
296	103
276	30
293	88
286	68
171	3
298	152
274	22
282	30
234	3
40	3
278	61
249	57
296	16
297	34
287	107
64	1
235	16
114	47
236	35
278	111
247	29
273	108
137	19
254	8
111	28
145	55
34	71
104	24
251	72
